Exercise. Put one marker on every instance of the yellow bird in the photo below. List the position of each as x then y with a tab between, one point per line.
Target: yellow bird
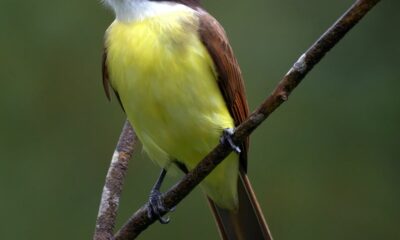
173	70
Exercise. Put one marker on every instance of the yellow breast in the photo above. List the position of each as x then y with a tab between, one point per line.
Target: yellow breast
167	85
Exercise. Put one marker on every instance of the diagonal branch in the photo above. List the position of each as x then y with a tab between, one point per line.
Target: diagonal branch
140	221
109	204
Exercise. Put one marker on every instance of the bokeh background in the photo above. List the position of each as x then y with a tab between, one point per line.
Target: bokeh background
325	165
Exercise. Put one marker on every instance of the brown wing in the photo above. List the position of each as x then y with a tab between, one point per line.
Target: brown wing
230	79
106	79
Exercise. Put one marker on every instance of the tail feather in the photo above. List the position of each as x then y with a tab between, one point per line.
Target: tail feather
248	222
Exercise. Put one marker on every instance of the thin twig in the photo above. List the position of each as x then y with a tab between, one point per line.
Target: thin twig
114	181
140	220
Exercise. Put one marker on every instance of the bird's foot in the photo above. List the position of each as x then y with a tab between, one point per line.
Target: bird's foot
156	207
227	137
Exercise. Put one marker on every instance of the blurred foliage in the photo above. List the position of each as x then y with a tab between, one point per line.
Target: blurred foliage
325	165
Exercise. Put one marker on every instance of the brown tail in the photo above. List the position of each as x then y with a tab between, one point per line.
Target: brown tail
248	223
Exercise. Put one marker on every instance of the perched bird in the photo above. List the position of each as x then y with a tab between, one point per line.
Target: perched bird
173	70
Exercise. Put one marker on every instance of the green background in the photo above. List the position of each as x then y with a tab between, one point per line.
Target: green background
324	166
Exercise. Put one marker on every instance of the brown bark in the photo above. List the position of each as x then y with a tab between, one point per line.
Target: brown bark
109	204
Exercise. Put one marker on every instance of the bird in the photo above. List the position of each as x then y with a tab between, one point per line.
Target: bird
174	72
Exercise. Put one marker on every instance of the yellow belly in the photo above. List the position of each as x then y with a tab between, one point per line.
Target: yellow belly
167	85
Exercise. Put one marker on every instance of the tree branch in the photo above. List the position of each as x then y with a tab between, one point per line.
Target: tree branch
114	181
140	221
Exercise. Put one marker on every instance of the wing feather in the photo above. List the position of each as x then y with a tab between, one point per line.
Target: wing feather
230	79
106	77
106	80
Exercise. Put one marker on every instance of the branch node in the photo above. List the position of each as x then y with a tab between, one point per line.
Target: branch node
284	96
300	65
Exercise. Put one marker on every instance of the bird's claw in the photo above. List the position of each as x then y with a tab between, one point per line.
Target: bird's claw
156	207
227	137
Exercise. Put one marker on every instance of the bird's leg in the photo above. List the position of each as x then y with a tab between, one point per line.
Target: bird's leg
227	137
155	204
